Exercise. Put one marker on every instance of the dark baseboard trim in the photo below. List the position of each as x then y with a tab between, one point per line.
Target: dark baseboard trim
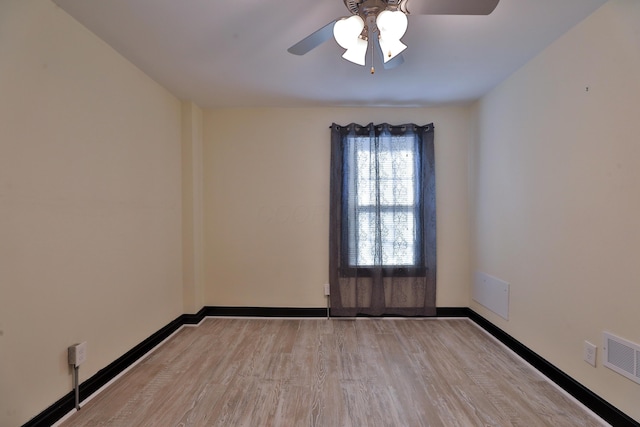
602	408
452	312
265	311
194	319
66	404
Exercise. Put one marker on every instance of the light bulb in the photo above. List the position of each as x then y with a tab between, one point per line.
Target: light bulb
391	48
347	31
357	53
392	24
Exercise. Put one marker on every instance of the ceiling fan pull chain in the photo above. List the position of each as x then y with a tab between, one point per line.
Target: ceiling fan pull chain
372	29
373	70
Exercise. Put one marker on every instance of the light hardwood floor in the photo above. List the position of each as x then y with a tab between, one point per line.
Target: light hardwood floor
333	373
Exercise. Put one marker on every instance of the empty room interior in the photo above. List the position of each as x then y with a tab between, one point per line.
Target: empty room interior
167	168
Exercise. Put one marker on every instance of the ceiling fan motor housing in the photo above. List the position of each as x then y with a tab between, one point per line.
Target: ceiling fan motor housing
368	10
352	5
368	7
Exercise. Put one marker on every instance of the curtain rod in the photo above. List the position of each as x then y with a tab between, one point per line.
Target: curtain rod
391	126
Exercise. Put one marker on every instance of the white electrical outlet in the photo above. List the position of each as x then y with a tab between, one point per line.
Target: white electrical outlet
78	354
327	290
590	351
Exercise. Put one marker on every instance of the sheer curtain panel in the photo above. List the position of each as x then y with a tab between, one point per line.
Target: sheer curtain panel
382	237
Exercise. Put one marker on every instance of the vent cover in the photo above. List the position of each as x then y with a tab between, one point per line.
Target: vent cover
622	356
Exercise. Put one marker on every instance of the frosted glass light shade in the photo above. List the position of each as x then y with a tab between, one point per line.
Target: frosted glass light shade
347	31
392	24
391	48
357	53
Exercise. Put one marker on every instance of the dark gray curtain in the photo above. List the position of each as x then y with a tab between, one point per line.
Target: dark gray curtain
382	238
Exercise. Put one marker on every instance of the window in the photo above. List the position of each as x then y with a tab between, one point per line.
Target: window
382	192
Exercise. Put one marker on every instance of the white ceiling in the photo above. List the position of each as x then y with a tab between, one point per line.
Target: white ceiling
234	53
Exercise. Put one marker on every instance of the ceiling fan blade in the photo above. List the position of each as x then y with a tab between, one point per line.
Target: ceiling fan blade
313	40
451	7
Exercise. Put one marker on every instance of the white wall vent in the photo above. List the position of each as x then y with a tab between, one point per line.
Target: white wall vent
491	292
622	356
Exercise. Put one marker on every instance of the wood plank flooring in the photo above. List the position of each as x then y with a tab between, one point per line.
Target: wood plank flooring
333	373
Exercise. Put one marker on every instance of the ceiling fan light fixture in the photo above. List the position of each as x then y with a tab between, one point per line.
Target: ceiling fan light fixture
357	53
392	24
391	48
347	31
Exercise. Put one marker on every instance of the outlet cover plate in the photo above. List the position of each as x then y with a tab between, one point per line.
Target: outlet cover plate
78	354
590	351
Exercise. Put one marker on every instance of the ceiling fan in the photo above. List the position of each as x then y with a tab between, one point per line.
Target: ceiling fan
383	22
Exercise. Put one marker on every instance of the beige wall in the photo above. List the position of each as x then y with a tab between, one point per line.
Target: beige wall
266	202
90	205
556	196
